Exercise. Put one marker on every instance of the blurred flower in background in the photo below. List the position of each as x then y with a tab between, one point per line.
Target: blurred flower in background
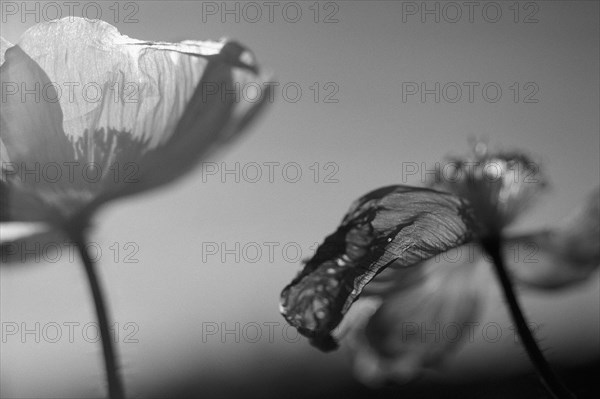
386	248
90	115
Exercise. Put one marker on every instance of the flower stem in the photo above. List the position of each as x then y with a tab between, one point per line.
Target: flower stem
115	385
550	380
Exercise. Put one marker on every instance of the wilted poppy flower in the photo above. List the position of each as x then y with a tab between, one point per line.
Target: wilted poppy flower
90	115
385	251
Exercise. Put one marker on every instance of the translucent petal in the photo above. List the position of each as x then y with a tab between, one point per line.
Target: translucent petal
211	118
25	231
417	327
398	224
21	203
30	124
29	243
140	114
4	45
13	231
499	185
93	67
561	257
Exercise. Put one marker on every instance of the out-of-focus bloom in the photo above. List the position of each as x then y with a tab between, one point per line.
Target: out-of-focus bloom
498	186
565	255
89	115
386	247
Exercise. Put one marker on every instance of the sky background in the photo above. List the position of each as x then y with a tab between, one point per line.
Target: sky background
358	143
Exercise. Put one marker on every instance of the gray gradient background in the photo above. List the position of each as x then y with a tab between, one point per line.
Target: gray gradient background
368	134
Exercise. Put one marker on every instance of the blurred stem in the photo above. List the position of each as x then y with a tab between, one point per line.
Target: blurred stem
115	385
554	386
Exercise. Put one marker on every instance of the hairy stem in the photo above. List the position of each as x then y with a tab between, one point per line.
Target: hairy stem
550	380
115	384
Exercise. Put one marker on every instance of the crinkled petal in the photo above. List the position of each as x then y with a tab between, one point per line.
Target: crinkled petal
417	327
137	114
561	257
399	224
110	81
211	118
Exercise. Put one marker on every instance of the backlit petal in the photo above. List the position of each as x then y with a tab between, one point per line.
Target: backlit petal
498	185
31	123
560	257
418	326
30	243
110	81
211	118
137	114
4	45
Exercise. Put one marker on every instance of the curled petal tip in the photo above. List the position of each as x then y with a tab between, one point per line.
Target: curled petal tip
397	224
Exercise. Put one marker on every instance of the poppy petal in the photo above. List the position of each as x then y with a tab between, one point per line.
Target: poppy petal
559	258
27	242
141	113
145	85
4	45
23	226
417	327
397	224
211	118
30	123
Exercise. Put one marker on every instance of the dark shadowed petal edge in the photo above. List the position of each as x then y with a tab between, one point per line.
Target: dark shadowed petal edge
397	224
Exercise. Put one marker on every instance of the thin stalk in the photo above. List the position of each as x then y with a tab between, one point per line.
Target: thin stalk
115	384
550	380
